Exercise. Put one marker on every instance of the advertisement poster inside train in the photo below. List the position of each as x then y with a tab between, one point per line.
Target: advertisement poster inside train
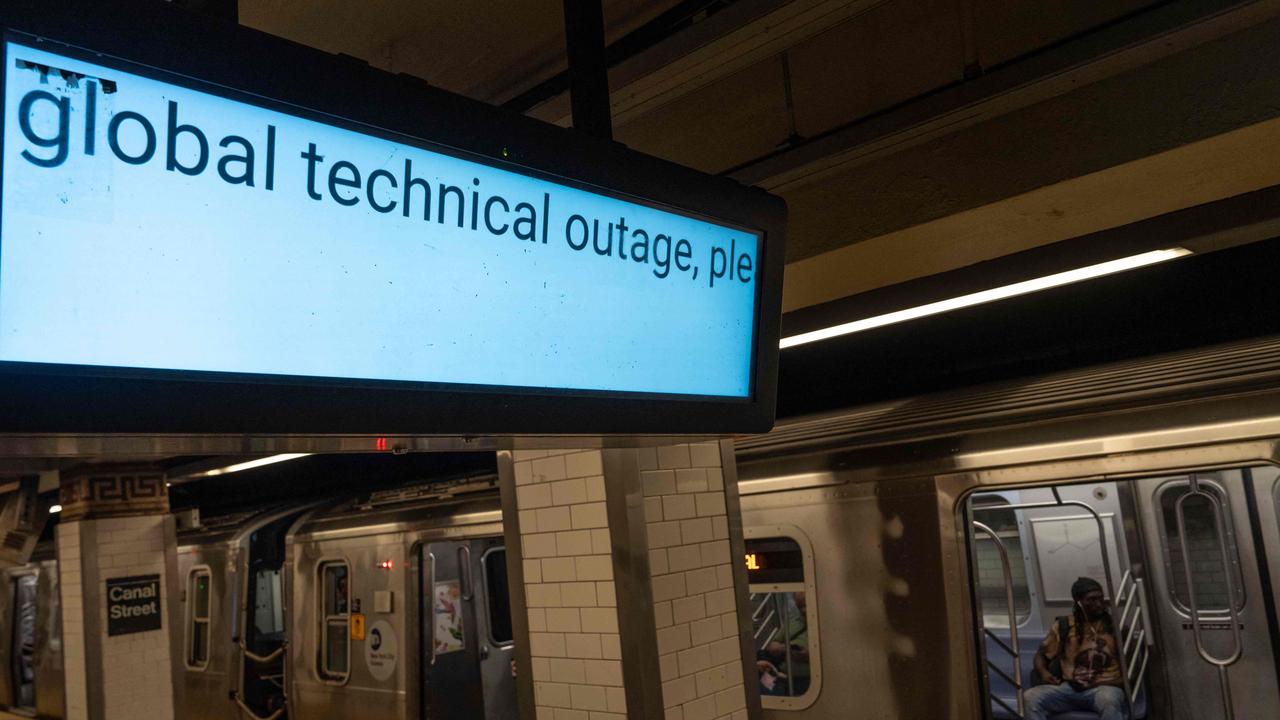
449	636
149	225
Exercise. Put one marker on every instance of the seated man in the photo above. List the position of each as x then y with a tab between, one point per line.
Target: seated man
1082	670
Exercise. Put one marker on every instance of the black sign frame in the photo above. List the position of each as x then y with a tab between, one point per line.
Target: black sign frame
139	623
779	560
83	400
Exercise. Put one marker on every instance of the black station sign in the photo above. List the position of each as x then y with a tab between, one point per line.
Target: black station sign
133	604
339	251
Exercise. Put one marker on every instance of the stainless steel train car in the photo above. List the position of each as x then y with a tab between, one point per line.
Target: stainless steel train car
233	608
905	560
31	636
935	540
418	575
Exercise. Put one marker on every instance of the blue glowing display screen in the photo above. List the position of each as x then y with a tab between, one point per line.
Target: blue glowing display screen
148	225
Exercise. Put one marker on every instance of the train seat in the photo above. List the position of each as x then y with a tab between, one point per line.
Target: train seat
1028	644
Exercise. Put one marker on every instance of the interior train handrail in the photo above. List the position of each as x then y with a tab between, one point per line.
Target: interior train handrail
784	626
1220	524
432	619
1144	647
1012	648
263	659
764	625
1132	627
251	713
755	614
1102	544
998	641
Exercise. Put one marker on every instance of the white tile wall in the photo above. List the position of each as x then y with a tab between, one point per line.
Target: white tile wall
70	584
136	671
694	603
569	587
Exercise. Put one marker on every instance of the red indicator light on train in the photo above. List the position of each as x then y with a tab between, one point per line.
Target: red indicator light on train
386	564
380	443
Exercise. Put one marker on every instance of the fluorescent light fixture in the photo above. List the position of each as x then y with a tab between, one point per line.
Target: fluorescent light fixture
55	509
250	464
986	296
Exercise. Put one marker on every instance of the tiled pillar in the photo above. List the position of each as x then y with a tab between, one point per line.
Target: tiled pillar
696	591
631	601
116	548
574	649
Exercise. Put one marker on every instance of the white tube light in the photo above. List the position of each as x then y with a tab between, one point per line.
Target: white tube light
986	296
55	509
250	464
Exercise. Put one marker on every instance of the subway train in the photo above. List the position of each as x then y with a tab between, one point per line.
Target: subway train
31	636
905	560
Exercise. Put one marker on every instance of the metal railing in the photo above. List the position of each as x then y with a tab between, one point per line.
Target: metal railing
1135	640
275	679
250	711
1012	647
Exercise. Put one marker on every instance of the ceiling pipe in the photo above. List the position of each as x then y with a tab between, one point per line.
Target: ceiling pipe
670	22
588	68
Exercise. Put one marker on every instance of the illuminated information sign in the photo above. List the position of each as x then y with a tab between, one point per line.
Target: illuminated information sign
148	225
774	560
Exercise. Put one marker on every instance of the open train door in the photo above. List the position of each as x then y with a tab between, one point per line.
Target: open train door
451	683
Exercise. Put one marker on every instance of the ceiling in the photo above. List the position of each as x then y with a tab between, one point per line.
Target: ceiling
884	124
484	50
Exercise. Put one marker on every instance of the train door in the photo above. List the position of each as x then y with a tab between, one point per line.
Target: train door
262	639
1208	560
497	646
452	688
24	642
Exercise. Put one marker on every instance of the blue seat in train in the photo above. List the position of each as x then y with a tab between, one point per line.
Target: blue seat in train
1028	644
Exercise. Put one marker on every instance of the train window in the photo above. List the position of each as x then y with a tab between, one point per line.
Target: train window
198	618
499	596
268	608
1003	521
1202	545
335	650
780	579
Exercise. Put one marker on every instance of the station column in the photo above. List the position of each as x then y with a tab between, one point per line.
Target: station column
634	601
117	560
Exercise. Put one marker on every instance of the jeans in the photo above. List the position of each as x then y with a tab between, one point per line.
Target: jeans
1045	700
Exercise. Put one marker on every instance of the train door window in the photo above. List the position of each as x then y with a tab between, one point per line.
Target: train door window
198	618
335	619
780	579
1202	545
268	608
498	595
1003	521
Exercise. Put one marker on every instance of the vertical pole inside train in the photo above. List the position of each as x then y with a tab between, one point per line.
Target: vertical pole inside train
1012	648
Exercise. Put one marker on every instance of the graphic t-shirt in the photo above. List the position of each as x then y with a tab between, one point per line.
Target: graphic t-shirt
1089	661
